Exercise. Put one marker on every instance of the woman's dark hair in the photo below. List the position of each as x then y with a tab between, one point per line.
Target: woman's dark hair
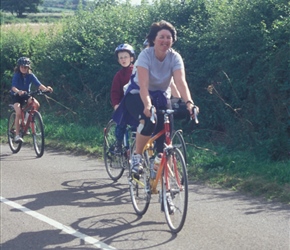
156	27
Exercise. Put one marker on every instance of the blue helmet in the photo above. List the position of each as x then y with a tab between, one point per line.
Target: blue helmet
125	47
24	61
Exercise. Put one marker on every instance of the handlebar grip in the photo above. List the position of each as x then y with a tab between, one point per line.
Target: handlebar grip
195	115
22	94
152	118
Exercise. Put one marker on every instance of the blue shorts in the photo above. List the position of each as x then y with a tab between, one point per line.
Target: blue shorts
19	99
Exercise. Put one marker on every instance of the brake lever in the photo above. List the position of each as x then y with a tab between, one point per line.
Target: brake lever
195	113
152	118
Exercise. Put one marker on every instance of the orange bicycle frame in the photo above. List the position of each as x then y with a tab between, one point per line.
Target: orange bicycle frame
149	148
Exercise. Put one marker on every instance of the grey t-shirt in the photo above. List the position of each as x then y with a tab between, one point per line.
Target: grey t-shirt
160	73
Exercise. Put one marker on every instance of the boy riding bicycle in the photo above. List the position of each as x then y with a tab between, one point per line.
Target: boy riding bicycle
125	55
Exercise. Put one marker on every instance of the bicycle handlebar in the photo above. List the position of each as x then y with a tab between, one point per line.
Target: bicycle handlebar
169	112
195	115
152	118
34	93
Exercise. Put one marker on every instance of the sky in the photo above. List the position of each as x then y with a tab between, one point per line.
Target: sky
137	2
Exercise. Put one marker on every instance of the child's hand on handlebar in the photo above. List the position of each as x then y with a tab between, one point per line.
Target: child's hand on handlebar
48	89
21	92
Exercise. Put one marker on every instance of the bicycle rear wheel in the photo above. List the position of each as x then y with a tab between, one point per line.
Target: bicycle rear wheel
37	133
178	142
175	198
11	132
139	187
114	162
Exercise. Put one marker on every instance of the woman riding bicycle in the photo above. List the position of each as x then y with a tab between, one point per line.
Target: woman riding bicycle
21	83
150	85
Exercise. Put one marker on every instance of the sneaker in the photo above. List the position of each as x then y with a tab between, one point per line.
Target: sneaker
170	203
18	139
136	164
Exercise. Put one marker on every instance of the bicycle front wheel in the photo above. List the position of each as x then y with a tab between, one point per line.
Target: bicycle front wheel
175	190
139	187
37	133
178	142
114	162
11	132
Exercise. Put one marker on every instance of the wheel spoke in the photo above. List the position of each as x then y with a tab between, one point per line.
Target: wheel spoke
115	162
140	188
11	133
37	133
175	198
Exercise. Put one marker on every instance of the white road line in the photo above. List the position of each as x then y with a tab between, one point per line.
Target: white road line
57	225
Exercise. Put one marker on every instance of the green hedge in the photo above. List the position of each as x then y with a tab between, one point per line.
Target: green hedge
236	54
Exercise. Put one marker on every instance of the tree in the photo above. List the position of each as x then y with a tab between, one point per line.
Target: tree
19	6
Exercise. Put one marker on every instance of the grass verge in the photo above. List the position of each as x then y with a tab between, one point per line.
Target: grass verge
214	166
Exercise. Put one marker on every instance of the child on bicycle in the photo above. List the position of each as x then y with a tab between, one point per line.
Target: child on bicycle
125	55
21	83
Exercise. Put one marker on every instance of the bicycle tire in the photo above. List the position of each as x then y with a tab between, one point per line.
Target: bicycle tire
176	209
178	142
37	133
15	147
115	164
139	187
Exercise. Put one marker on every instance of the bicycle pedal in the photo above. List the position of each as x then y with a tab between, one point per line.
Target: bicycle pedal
136	176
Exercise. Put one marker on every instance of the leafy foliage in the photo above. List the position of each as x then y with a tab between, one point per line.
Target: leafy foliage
236	55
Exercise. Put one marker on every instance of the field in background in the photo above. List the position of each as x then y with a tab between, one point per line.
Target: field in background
34	28
43	17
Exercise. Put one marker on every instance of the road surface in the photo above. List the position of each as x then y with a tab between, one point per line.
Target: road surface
63	201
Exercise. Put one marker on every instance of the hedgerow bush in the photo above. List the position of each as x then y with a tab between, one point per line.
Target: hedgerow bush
236	55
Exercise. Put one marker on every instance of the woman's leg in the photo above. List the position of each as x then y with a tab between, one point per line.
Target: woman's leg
135	107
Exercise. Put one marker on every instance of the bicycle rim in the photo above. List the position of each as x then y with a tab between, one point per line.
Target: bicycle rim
37	134
15	147
178	142
115	163
139	192
140	188
175	200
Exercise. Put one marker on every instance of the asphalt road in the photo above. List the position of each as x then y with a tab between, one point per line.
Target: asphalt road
62	201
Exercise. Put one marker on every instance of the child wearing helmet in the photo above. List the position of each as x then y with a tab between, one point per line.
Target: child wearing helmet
125	55
21	83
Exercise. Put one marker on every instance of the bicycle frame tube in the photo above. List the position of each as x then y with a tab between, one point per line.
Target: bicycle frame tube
162	166
167	172
30	107
148	145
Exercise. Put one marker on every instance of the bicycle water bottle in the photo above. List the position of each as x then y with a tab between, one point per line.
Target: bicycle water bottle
157	161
